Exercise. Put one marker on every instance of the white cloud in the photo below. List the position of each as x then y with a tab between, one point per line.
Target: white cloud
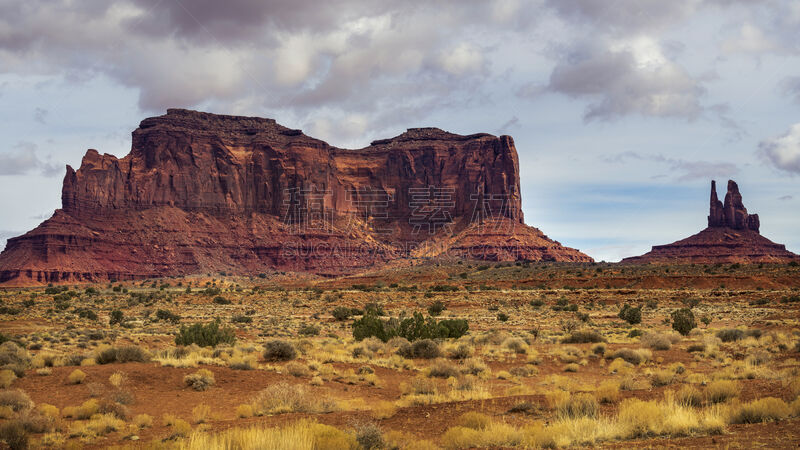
750	39
347	129
783	152
462	59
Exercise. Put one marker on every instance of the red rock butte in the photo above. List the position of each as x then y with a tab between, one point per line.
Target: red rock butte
732	236
203	193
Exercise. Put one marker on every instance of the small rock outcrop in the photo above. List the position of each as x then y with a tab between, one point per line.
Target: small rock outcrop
202	193
732	236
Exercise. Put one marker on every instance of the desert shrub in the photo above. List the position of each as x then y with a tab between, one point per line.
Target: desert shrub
308	330
117	317
502	317
241	319
689	395
516	345
572	367
14	357
297	369
473	366
599	348
694	348
719	391
341	313
13	433
244	411
607	392
86	410
460	351
143	421
425	349
630	355
179	429
116	379
123	397
15	399
11	311
584	336
86	313
411	328
374	308
436	308
730	334
219	300
656	341
168	316
115	409
662	377
6	378
76	377
761	410
277	350
128	353
442	368
630	314
284	398
683	321
371	325
369	436
201	413
577	405
208	335
243	362
200	380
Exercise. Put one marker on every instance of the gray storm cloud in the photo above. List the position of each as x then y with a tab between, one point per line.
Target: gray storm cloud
344	61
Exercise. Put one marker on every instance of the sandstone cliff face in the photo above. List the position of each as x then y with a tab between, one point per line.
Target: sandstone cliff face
732	236
201	192
732	214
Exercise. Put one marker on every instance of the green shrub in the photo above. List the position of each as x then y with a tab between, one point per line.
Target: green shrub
630	314
370	325
86	313
443	288
411	328
683	321
221	300
502	317
208	335
117	317
163	314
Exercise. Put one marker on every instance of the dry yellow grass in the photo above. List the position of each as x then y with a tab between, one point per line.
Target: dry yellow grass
301	435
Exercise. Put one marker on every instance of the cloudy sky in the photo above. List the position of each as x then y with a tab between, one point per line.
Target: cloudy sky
622	110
